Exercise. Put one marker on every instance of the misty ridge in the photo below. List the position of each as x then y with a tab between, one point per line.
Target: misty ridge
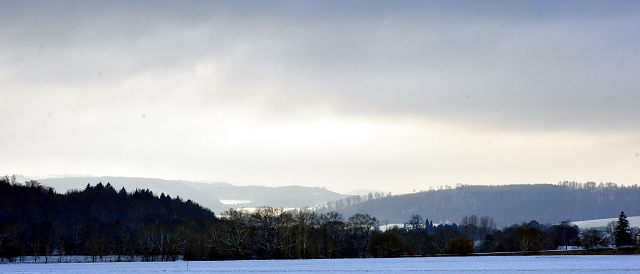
217	197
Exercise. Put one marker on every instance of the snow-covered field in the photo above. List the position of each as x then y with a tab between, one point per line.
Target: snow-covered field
502	265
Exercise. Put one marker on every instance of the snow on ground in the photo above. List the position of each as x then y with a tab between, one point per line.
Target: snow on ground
502	265
82	259
633	222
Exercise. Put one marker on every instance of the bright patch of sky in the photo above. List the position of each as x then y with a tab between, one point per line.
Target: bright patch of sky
357	95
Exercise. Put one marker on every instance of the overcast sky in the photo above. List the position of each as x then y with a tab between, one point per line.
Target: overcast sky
390	96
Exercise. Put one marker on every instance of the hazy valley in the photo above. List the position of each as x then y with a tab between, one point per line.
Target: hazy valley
216	196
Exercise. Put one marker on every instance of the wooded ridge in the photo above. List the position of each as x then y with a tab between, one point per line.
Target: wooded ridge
508	204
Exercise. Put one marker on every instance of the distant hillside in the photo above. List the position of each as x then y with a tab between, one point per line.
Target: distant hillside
511	204
209	195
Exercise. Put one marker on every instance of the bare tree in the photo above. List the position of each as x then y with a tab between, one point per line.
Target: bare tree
332	234
362	227
304	220
236	232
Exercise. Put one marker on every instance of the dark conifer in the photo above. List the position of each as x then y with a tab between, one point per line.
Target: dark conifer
622	234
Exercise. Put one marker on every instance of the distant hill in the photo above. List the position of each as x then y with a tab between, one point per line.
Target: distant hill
510	204
210	195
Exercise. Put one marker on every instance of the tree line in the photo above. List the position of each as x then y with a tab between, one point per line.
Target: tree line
101	221
353	200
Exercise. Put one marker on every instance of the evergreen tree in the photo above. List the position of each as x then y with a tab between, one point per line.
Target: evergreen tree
623	237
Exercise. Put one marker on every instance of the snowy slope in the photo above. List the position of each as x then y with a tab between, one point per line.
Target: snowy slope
633	222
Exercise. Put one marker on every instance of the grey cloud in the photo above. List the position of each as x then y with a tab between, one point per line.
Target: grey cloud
555	74
518	65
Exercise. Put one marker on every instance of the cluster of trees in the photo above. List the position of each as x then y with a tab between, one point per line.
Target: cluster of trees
479	235
475	234
96	221
99	221
272	233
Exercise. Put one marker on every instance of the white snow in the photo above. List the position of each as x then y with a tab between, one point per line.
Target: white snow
634	221
503	265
